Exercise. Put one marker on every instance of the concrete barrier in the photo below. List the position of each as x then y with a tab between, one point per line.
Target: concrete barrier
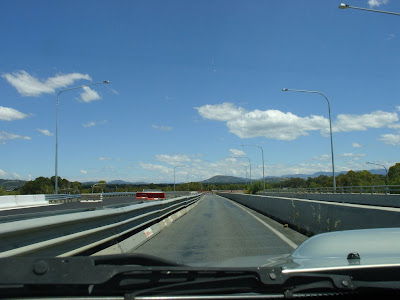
315	216
22	200
391	200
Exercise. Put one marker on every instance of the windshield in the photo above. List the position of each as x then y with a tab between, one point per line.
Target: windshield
204	133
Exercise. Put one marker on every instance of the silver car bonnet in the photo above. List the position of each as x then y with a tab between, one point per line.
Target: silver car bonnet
347	250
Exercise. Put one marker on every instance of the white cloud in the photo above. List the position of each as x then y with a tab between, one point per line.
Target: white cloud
4	136
45	132
272	124
394	126
89	95
16	175
28	85
322	157
105	158
93	123
390	36
377	3
353	156
275	124
162	128
152	167
377	119
3	174
173	159
237	152
220	112
390	139
83	171
356	145
89	124
11	114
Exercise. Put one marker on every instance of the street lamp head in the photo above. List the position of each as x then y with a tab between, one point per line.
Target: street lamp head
106	81
284	90
343	6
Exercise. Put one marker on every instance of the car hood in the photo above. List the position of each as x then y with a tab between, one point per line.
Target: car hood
333	250
347	250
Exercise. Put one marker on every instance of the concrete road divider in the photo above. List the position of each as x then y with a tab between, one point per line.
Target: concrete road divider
22	200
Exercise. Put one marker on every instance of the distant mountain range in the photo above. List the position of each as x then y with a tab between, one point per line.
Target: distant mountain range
304	176
215	179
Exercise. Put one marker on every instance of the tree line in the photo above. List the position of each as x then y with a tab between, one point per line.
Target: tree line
44	185
351	178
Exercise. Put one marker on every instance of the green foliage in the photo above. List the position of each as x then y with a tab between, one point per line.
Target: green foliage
256	187
361	178
351	178
394	174
44	185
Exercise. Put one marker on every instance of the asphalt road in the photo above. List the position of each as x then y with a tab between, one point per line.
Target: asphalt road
219	231
40	211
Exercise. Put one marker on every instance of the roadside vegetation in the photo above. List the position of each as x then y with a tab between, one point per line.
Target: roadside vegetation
44	185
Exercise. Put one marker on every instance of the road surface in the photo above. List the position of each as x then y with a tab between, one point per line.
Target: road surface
15	214
219	230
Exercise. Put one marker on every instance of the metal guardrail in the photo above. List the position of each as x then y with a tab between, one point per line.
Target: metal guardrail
63	198
372	189
119	194
71	234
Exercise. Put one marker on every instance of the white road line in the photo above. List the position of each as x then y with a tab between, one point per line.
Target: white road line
280	235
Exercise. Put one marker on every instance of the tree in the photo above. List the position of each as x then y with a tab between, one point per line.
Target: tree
44	185
394	174
255	187
41	185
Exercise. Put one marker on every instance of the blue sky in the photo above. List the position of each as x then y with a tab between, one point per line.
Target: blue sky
191	81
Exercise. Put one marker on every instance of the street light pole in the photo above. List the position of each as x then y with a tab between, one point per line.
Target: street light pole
345	6
330	129
174	173
58	101
249	163
262	155
387	178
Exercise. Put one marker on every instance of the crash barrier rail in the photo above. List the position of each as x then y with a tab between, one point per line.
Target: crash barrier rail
92	197
62	198
314	216
76	233
371	189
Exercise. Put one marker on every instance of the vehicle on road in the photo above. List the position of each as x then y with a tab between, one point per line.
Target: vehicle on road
319	267
151	195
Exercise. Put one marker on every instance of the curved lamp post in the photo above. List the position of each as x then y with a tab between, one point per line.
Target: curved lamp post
58	101
345	6
330	129
262	156
98	184
387	178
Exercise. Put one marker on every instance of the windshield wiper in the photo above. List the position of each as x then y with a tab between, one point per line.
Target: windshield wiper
142	275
